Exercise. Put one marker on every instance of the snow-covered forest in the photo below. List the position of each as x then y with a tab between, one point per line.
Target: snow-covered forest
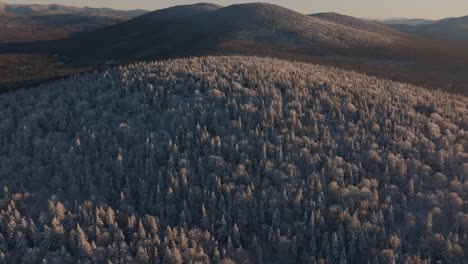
232	160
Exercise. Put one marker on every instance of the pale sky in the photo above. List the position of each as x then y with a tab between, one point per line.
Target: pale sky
433	9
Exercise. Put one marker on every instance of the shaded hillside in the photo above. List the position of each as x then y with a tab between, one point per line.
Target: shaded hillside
29	70
20	23
453	30
234	159
261	30
204	28
357	23
48	27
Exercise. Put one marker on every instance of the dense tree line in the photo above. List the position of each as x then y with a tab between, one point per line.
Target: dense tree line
232	160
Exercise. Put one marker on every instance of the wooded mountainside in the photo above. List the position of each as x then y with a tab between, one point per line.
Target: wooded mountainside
232	160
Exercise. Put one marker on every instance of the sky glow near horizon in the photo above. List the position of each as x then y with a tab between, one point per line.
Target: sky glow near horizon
431	9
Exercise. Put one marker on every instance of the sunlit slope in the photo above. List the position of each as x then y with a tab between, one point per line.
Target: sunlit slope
232	159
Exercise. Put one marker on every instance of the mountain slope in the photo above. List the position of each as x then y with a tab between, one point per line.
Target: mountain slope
356	23
209	28
25	9
451	29
232	160
259	16
19	23
254	29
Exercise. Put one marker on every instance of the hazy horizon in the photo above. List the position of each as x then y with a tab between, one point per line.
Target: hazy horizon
378	9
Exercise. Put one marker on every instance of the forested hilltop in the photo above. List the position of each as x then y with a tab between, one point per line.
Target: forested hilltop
232	160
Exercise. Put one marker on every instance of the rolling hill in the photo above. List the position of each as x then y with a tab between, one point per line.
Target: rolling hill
53	9
262	30
232	160
32	23
29	9
20	23
356	23
205	28
453	30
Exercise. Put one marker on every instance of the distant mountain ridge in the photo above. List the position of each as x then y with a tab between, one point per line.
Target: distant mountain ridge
356	23
405	21
448	29
36	9
206	28
20	23
258	29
